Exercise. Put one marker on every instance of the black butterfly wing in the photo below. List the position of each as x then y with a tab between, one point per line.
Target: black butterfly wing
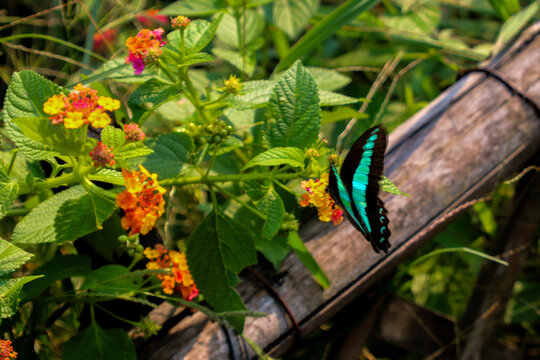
361	173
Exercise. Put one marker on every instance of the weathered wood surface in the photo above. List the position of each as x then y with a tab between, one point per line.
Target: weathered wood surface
456	149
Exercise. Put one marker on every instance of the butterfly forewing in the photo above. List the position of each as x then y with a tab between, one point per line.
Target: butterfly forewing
360	176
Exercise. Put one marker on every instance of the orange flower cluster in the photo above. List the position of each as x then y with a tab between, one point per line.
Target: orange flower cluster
144	48
180	281
82	106
6	350
142	201
317	195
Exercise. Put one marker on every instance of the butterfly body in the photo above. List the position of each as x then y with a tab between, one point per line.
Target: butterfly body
356	187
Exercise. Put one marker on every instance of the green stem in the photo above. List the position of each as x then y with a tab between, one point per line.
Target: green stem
167	72
243	203
194	97
212	161
212	102
132	323
17	212
182	43
226	178
91	187
12	161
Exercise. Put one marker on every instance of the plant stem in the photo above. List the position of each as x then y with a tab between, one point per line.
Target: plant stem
226	178
12	161
212	161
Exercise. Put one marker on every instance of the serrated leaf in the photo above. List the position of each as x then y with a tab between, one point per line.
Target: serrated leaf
328	79
113	137
38	225
292	15
389	187
43	131
26	94
245	63
254	94
8	193
11	257
58	268
309	262
294	109
256	189
152	91
253	26
97	343
131	150
196	58
229	144
78	217
9	294
170	152
112	280
272	206
108	175
194	7
217	251
328	98
200	33
275	249
292	156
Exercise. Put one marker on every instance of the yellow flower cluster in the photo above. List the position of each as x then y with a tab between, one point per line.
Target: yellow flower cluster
316	195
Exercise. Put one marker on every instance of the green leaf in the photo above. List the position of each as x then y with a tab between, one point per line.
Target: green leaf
96	343
217	251
309	262
294	109
9	294
42	130
244	63
200	33
38	225
25	96
292	16
275	249
58	268
229	144
196	58
152	91
113	137
131	150
253	25
78	217
113	280
278	156
11	257
272	206
331	23
256	189
107	175
328	98
515	24
194	8
254	94
118	70
389	187
328	79
8	193
170	152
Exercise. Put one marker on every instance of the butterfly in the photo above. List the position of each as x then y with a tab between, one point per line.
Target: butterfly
355	189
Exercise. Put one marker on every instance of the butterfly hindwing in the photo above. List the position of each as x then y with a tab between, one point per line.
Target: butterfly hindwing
360	175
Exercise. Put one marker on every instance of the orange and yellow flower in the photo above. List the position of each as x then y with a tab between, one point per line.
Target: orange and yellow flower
316	195
142	201
82	106
6	350
144	48
180	281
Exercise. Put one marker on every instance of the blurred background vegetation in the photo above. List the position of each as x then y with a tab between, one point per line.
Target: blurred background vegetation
420	44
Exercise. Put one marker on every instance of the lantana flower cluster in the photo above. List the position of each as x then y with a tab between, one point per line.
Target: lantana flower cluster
142	201
133	132
180	281
82	106
6	350
144	48
102	155
316	195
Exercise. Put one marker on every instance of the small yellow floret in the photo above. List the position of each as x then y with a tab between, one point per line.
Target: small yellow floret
54	105
73	120
109	103
99	119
